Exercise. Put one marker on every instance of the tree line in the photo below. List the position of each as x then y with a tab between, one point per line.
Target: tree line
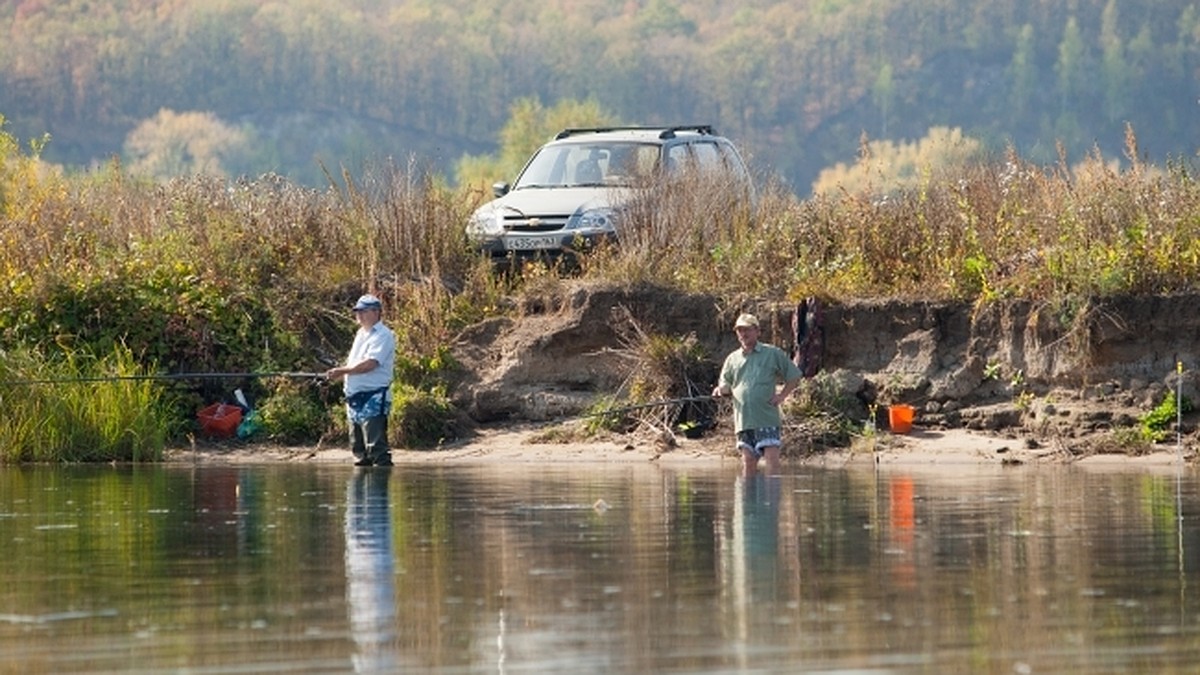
798	83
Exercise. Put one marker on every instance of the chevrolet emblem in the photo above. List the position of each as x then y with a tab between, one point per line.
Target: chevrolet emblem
535	222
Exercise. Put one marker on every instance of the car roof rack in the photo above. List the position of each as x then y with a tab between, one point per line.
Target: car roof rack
702	129
664	132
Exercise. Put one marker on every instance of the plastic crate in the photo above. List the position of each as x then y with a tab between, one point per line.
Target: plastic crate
219	420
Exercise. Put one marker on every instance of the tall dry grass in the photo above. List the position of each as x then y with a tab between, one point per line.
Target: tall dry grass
990	231
987	232
407	232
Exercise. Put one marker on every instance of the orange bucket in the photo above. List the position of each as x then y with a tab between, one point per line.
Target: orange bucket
900	418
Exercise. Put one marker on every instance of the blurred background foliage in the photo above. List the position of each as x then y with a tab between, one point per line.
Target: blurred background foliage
244	87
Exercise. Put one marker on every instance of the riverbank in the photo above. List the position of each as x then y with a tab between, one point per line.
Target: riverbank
526	445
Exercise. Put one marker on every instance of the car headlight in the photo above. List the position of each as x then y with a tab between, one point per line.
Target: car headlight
485	223
604	219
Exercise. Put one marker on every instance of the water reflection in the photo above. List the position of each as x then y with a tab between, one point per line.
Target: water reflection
754	566
901	528
494	569
370	571
751	579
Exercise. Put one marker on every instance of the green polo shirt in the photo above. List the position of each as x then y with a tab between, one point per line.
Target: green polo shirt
753	378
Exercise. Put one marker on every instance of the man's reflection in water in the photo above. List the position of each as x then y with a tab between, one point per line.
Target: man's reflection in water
370	584
756	523
754	561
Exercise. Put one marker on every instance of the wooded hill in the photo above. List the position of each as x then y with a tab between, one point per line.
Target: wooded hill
797	83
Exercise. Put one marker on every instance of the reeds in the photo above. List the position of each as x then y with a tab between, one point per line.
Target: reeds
79	409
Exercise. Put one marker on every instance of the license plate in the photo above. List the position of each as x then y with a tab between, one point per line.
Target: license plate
530	243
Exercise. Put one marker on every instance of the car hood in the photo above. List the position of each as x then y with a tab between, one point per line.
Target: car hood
532	202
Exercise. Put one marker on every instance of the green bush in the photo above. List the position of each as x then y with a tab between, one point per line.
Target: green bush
420	418
164	313
1156	424
293	415
597	420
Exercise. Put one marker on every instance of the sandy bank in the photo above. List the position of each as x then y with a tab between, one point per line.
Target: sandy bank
930	449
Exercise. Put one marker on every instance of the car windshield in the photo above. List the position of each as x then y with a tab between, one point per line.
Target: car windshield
589	165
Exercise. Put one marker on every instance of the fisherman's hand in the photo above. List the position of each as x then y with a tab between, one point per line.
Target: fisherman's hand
779	397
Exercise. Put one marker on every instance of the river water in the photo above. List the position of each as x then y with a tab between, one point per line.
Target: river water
598	569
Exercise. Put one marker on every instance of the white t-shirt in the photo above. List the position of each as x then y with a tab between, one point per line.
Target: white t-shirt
379	343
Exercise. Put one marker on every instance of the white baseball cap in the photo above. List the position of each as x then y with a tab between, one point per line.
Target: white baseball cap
368	301
746	320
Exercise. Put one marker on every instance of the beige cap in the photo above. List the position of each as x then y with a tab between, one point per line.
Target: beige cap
746	320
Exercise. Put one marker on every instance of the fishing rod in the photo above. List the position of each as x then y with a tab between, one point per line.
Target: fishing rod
165	376
641	406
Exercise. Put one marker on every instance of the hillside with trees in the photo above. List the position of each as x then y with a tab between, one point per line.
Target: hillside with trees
251	86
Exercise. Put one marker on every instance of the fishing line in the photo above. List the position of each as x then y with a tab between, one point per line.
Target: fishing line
1179	409
1179	486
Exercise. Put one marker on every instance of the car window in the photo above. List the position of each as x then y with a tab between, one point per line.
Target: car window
630	162
712	157
589	164
707	156
546	168
732	162
678	159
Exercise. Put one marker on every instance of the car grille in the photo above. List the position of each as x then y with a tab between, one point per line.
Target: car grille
538	224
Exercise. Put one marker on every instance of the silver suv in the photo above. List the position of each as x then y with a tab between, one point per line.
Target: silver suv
572	191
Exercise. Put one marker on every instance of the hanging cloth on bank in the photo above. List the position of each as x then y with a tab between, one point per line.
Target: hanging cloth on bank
808	336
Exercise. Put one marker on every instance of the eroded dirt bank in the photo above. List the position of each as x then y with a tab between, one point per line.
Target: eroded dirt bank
1053	373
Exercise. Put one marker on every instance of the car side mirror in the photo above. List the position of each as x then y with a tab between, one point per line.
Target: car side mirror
500	189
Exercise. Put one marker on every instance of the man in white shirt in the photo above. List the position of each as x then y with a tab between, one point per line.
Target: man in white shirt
368	381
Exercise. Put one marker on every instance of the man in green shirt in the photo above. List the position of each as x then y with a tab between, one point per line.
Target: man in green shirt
752	375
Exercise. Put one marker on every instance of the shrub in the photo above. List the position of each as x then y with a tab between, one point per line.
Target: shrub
673	370
1156	424
420	418
598	419
292	415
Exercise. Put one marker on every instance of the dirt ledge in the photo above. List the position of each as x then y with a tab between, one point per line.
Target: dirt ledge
1011	383
1063	375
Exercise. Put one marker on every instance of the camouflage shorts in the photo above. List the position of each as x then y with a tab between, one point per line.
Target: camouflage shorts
755	440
